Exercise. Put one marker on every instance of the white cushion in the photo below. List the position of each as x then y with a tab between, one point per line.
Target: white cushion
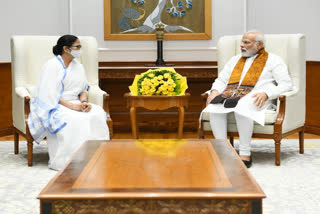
270	117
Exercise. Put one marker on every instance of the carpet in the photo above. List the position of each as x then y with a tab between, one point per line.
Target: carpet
292	188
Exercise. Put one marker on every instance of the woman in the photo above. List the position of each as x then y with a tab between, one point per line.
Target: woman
60	110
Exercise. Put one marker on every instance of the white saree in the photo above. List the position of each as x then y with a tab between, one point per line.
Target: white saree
64	128
273	80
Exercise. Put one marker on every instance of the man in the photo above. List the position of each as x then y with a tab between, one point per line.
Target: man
246	86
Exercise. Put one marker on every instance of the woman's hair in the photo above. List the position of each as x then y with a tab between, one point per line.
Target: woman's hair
66	40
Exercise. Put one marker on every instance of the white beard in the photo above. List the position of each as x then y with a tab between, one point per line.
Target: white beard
249	52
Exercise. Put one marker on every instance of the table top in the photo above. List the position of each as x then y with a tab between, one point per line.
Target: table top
151	168
157	102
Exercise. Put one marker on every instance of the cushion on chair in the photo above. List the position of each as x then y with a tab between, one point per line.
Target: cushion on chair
270	117
257	129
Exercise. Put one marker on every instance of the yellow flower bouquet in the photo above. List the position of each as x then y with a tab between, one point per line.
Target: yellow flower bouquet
162	81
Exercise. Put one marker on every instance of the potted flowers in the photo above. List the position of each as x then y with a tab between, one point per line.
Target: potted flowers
159	82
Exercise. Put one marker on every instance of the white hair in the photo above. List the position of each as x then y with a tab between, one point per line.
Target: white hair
259	36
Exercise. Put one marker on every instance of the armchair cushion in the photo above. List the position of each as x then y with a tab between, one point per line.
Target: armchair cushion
270	117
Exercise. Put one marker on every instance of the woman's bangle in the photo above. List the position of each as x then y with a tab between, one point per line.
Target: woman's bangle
84	101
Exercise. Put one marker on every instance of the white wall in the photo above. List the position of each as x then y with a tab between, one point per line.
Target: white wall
230	11
51	17
31	17
288	16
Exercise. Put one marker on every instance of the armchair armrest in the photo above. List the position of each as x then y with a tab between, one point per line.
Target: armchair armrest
26	114
106	98
295	109
101	98
290	93
22	92
283	99
26	107
281	111
204	97
20	108
95	95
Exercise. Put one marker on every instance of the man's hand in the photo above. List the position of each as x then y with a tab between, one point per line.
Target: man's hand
260	99
212	95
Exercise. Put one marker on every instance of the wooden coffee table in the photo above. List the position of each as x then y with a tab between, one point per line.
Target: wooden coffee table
153	176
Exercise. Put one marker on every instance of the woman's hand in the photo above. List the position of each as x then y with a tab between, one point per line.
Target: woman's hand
85	106
76	106
81	106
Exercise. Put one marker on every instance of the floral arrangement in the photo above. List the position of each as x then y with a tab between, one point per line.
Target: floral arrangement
162	81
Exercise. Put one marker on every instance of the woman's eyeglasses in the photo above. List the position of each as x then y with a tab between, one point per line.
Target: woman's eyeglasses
76	46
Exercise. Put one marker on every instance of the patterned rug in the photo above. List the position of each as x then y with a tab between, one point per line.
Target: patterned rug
292	188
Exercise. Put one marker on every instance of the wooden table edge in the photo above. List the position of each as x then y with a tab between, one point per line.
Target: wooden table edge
149	196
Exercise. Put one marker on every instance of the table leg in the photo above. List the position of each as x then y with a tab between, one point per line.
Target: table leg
16	142
181	120
133	117
45	207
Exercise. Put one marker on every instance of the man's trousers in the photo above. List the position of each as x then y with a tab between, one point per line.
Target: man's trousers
218	124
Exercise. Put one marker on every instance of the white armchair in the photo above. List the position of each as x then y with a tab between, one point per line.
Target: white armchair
290	114
28	54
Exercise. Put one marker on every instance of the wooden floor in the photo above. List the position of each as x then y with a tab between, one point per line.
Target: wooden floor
171	135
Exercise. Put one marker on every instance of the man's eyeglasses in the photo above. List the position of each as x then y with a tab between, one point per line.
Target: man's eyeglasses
76	46
246	42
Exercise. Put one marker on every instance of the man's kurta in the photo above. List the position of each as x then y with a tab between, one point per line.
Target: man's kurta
274	80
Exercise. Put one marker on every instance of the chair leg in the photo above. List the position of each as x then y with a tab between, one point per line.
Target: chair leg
30	152
110	126
200	133
301	142
231	141
16	142
200	130
277	148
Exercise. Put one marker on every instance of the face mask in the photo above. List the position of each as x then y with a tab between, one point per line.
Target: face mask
76	53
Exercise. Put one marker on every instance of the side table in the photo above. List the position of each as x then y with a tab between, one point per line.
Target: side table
156	103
